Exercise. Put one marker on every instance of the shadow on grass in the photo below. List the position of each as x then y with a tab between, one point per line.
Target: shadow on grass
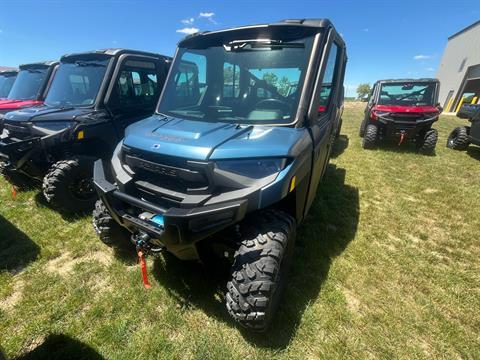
325	234
339	146
17	250
40	201
61	347
407	147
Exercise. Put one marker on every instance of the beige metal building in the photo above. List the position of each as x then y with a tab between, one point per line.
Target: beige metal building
459	70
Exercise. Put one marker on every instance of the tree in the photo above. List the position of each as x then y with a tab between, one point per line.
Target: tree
363	90
270	78
283	86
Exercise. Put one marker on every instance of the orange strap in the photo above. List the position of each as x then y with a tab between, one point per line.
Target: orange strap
143	265
402	137
14	192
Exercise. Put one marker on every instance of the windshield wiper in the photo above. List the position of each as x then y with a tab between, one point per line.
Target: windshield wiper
252	45
418	92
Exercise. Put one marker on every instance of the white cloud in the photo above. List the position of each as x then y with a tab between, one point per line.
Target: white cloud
188	21
206	14
365	30
209	16
188	30
430	69
421	57
1	31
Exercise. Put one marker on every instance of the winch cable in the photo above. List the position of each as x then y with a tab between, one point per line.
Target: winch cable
402	137
143	265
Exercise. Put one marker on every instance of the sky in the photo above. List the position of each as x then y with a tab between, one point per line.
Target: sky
385	39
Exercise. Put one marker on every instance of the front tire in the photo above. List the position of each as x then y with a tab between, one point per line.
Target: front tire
429	142
107	229
259	269
68	186
458	138
369	140
361	131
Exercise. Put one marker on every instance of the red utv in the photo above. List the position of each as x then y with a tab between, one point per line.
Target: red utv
402	111
7	78
30	86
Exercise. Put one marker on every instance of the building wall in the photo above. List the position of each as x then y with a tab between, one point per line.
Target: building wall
464	47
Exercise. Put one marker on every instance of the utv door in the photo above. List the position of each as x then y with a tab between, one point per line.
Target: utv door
134	93
328	91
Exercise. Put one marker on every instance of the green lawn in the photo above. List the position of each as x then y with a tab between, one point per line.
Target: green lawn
387	265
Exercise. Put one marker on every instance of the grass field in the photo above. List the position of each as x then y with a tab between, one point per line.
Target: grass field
386	266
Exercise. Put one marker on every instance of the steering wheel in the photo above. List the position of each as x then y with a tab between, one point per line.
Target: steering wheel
274	104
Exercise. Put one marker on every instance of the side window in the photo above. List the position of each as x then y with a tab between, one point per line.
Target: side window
328	79
231	81
136	88
190	80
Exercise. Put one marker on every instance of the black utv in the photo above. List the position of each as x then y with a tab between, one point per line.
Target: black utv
94	96
230	163
402	110
461	137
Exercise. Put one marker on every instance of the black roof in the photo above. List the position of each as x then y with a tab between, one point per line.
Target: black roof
40	64
112	53
308	25
407	80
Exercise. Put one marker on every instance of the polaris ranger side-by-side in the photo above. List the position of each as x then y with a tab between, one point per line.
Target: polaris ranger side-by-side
461	137
29	88
91	100
231	161
402	110
7	78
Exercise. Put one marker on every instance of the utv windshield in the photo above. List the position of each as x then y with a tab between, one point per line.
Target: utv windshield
407	94
28	84
248	81
77	83
6	83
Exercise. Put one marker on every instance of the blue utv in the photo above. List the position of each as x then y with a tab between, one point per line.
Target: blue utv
230	162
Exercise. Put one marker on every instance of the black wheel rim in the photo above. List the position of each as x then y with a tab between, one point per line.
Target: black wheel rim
82	188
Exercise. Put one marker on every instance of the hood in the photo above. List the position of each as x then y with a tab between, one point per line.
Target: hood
406	109
6	104
46	113
202	140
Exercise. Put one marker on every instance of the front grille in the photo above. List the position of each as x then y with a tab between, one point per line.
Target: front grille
410	117
170	173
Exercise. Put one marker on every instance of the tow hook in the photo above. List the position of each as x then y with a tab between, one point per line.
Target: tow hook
143	247
403	135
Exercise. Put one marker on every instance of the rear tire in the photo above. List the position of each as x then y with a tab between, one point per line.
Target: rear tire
68	186
458	138
107	229
370	137
260	266
429	142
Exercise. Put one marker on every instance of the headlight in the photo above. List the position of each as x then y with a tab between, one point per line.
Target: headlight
252	168
53	125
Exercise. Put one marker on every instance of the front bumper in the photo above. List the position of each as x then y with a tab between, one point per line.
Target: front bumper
410	128
15	152
182	227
